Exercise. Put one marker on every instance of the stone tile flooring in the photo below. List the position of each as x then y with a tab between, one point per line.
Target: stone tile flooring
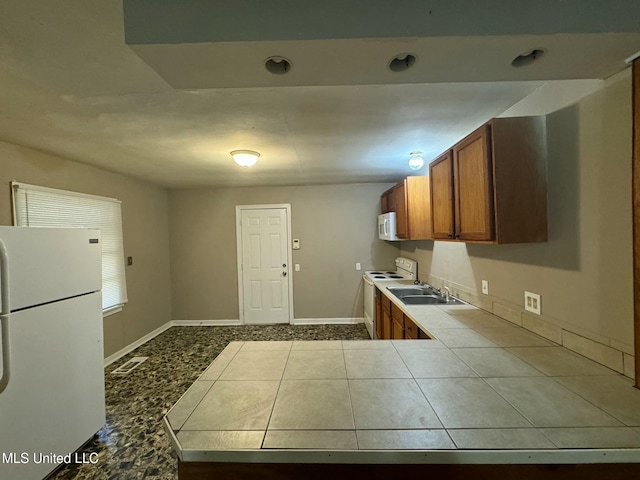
133	445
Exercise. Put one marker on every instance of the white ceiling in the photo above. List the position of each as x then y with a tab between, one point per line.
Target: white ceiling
171	112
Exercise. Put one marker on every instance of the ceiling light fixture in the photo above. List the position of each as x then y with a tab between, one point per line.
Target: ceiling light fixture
527	58
416	162
277	65
402	62
245	158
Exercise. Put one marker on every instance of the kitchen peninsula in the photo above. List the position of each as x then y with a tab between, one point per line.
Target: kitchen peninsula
483	394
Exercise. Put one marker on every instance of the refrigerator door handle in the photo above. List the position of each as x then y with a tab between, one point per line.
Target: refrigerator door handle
4	316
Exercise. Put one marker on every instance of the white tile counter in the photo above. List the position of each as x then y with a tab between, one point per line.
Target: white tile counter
484	391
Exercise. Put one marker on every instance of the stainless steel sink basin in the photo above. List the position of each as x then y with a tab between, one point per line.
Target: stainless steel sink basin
403	291
419	295
429	300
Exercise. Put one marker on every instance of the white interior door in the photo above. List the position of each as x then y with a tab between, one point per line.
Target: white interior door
265	272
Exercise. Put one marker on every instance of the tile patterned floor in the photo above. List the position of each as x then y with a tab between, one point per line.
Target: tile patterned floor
133	445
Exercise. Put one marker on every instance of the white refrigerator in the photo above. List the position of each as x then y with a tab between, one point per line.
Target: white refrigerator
52	368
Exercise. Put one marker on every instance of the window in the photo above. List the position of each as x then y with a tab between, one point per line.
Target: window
35	206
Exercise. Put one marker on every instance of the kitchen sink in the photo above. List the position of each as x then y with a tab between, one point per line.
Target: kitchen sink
429	300
422	295
403	291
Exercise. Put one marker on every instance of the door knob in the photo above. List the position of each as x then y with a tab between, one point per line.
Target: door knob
284	274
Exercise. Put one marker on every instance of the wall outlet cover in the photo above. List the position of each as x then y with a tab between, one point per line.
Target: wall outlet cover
532	303
485	287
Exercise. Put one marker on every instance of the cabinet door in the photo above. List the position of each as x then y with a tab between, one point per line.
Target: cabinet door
400	200
386	325
441	186
472	173
398	330
384	203
378	319
397	320
410	329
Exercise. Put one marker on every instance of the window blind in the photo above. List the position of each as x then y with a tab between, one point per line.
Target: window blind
36	206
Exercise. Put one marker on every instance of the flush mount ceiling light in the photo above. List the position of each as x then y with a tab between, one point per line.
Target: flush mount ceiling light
402	62
527	58
277	65
416	162
245	158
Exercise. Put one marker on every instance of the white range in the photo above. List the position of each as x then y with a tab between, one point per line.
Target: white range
406	269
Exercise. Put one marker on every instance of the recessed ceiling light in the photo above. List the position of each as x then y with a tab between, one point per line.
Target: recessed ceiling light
245	158
277	65
402	62
527	58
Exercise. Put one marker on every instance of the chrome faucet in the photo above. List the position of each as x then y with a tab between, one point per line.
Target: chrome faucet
447	292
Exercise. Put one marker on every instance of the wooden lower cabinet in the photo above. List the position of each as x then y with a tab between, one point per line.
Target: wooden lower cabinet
397	319
410	329
386	327
378	314
391	322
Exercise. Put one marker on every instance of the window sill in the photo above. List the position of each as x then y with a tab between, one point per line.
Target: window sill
110	311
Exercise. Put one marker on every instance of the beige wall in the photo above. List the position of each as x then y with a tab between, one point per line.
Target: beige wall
584	271
336	225
145	232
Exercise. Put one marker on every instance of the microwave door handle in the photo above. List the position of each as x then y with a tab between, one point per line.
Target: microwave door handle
4	316
386	229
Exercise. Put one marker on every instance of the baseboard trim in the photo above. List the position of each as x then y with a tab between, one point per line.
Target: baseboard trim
132	346
219	323
327	321
205	323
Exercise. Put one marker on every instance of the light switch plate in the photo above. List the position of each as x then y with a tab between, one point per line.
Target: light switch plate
485	287
532	302
297	267
358	266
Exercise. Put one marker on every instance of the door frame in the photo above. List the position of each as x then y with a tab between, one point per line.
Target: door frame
239	210
635	205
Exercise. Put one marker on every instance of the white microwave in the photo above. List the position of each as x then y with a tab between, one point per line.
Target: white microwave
387	226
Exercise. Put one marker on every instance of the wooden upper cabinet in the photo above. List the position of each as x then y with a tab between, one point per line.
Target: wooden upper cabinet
442	205
473	187
411	201
400	200
495	181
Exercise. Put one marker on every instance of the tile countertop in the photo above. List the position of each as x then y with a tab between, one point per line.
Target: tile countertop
484	391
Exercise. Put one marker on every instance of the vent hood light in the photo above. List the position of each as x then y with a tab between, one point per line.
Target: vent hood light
416	162
245	158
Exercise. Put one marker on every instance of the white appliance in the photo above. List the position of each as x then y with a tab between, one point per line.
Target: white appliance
387	226
406	269
52	367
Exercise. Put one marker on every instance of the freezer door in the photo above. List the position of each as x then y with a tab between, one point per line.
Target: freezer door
48	264
54	400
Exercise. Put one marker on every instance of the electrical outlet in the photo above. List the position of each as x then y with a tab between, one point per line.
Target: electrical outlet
297	267
532	302
485	287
